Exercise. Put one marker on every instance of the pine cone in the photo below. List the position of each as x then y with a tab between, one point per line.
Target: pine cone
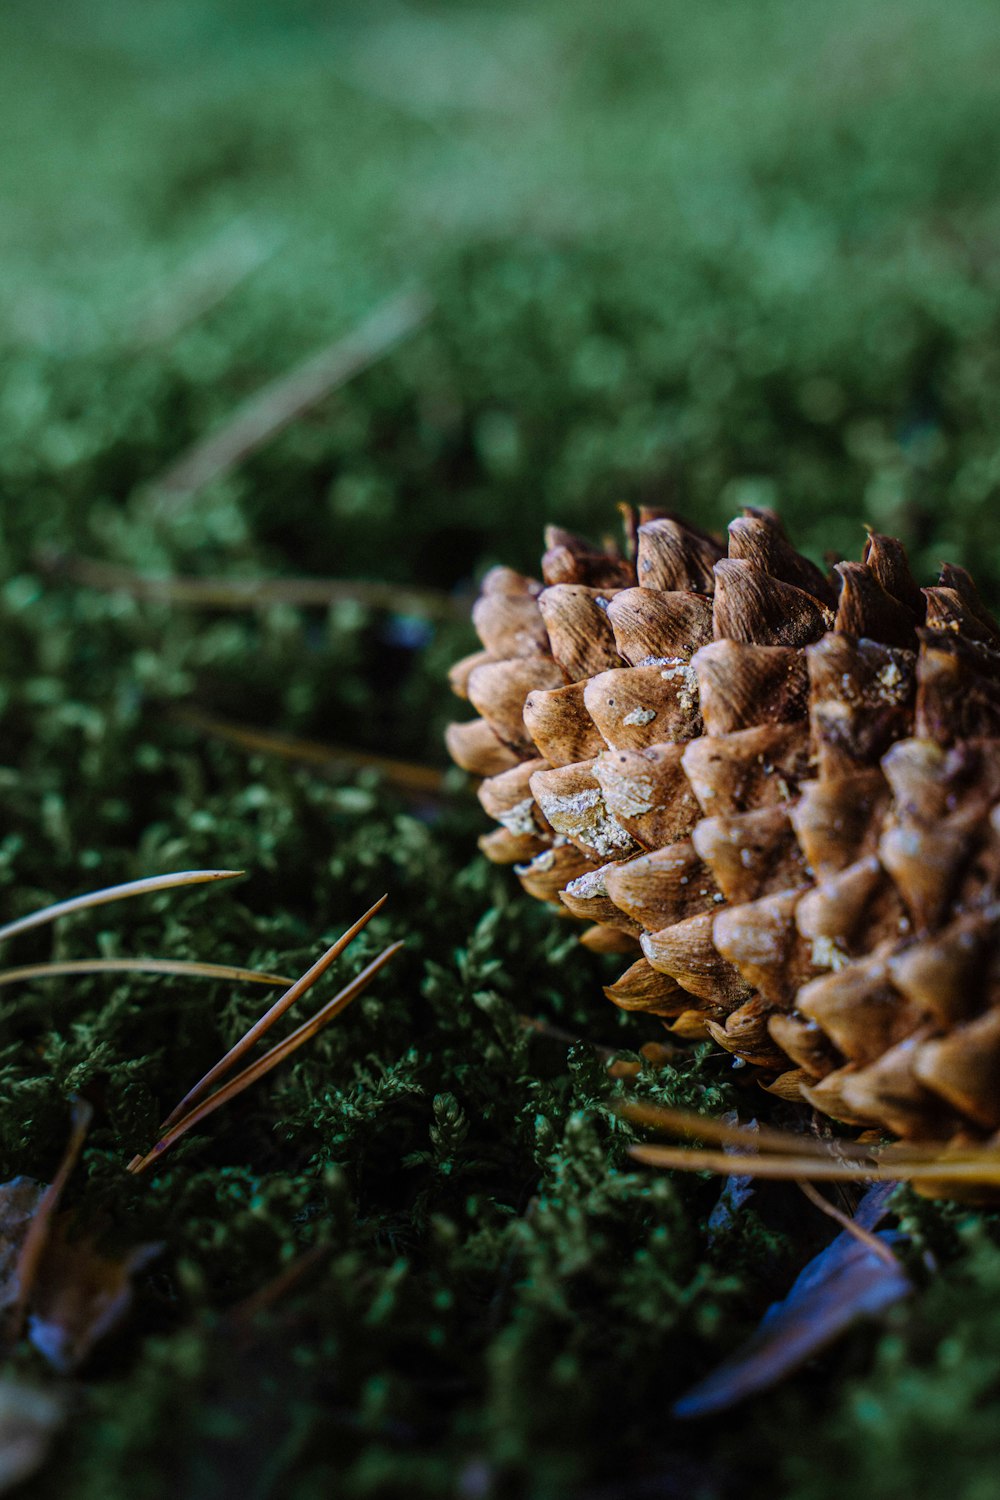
782	789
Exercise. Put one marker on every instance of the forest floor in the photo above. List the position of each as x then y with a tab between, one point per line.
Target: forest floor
369	294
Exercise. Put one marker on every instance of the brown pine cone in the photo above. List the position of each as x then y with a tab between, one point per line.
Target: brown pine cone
780	790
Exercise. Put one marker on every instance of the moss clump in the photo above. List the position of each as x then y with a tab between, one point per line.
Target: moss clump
725	254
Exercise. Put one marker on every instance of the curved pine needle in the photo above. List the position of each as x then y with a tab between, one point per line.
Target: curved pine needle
982	1170
265	1064
296	990
191	968
114	893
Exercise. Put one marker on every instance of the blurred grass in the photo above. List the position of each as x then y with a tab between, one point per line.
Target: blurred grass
694	255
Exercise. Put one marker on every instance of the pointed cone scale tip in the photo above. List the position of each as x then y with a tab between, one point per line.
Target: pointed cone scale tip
758	538
780	787
752	606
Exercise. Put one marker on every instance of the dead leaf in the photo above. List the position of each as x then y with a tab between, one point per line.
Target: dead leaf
80	1294
70	1292
26	1224
845	1282
735	1190
19	1202
29	1418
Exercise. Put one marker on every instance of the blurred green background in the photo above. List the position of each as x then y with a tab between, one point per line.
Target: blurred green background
699	255
700	251
694	255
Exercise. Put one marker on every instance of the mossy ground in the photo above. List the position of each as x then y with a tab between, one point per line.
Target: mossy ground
709	253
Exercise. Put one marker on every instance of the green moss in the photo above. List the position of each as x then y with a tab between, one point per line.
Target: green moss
707	255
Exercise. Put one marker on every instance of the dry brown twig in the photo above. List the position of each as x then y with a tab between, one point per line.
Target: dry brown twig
212	274
297	988
254	593
408	776
289	1277
278	404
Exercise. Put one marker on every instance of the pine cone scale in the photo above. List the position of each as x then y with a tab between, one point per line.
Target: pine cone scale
784	784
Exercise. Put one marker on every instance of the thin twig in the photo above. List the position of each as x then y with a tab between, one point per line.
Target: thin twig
297	988
407	775
37	1237
557	1034
114	893
211	276
279	1286
254	593
272	409
870	1241
265	1064
190	968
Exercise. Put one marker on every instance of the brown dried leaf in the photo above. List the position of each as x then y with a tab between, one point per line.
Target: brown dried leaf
70	1292
30	1231
847	1281
19	1202
80	1294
